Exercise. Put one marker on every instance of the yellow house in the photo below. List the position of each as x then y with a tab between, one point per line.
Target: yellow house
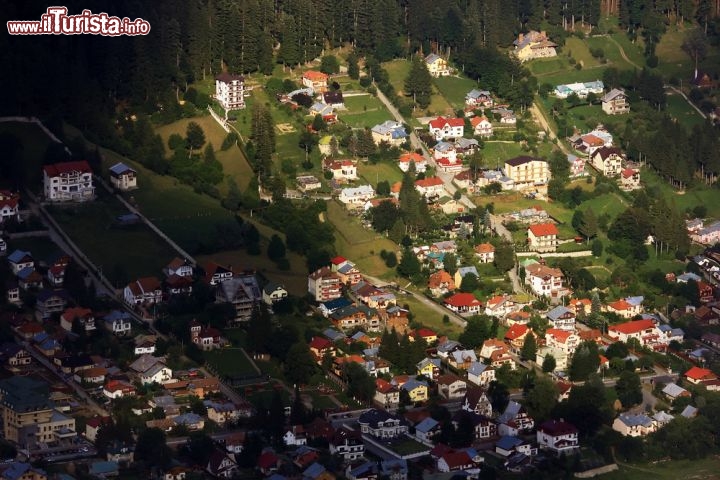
436	65
417	390
429	367
534	45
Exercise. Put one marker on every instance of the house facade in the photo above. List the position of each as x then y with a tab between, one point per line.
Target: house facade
557	436
230	91
615	102
437	66
527	171
533	45
543	237
146	290
123	177
544	280
608	161
391	132
324	285
9	206
442	128
68	182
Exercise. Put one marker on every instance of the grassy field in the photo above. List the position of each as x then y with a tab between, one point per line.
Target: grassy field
361	103
365	119
34	144
429	317
454	89
348	226
41	248
546	66
233	160
693	196
397	70
123	253
495	153
580	52
229	362
706	468
379	172
678	108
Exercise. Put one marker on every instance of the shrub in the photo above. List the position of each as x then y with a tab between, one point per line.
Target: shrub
652	61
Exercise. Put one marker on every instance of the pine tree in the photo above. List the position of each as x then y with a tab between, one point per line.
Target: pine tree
589	225
409	265
418	83
529	348
549	363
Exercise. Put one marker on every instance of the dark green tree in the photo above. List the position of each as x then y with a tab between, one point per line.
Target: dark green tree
477	330
300	364
549	364
529	348
152	449
194	137
629	389
276	248
418	83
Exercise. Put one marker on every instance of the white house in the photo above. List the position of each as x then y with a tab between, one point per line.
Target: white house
559	437
607	160
615	102
123	177
68	182
158	373
118	322
9	205
407	158
527	171
480	374
430	187
544	280
442	128
143	290
180	267
382	424
542	237
479	98
20	260
273	293
634	425
481	126
356	195
436	65
390	132
230	91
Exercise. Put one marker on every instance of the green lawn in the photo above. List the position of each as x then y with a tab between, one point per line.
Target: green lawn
379	172
361	103
580	52
347	225
572	75
229	362
546	66
706	468
454	89
34	143
408	446
693	196
123	253
610	203
233	160
495	153
366	119
397	70
679	109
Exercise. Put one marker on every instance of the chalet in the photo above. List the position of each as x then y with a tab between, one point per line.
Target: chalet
480	374
615	102
347	271
451	387
407	158
356	316
543	237
221	465
317	81
508	445
273	293
564	340
123	177
485	252
507	116
429	367
68	181
356	195
342	170
580	306
479	98
462	359
387	395
533	45
9	206
14	355
481	126
467	460
630	179
441	283
321	347
20	260
322	109
205	337
391	132
562	318
608	160
437	66
442	128
514	420
29	278
527	171
430	187
700	376
83	316
417	389
243	292
634	425
464	303
49	302
381	424
516	335
347	443
545	281
143	291
645	331
216	274
558	437
230	91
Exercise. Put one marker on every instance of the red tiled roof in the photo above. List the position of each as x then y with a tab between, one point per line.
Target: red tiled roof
149	284
429	182
463	300
697	373
383	386
592	140
476	120
456	460
632	327
620	306
543	229
628	172
425	332
320	343
315	76
440	277
58	169
560	335
338	260
484	248
440	122
516	331
411	157
71	314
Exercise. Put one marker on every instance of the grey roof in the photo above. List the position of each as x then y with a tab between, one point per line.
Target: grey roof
477	368
271	287
663	417
431	58
689	412
413	383
120	168
475	93
24	394
313	470
188	419
426	425
465	270
673	390
448	346
333	334
615	92
511	411
144	362
557	312
687	276
103	468
460	356
634	420
422	363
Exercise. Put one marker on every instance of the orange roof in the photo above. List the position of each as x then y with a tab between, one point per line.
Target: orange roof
559	335
383	386
463	300
577	302
440	277
395	188
425	332
592	140
315	76
697	373
516	331
543	229
440	122
620	306
429	182
495	300
484	248
476	120
411	157
632	327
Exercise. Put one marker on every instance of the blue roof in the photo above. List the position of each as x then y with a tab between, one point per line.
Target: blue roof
371	352
313	470
120	168
187	419
49	344
100	468
16	470
632	420
25	272
508	442
465	270
426	425
333	334
392	465
476	368
364	469
413	383
358	335
18	255
337	303
117	315
635	301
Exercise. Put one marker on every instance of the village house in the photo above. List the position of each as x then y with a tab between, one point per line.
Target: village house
49	302
592	141
242	292
485	252
507	116
499	306
481	126
615	102
68	181
230	91
700	376
391	132
307	183
466	146
56	275
446	157
645	331
514	420
527	171
440	283
356	195
430	187
480	374
143	291
629	179
462	359
426	430
14	355
9	206
509	445
429	367
412	157
20	260
356	316
442	128
437	66
608	160
545	281
562	318
317	81
461	460
273	293
580	89
577	166
579	305
451	387
205	337
417	390
673	391
542	237
83	316
123	177
461	272
562	340
347	443
464	304
347	271
382	424
342	170
558	437
216	274
479	98
29	278
387	395
533	45
322	109
334	99
708	235
634	425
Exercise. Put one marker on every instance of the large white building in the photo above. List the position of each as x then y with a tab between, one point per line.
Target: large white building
527	171
230	91
68	182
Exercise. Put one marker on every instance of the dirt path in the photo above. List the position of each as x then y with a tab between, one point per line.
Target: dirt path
542	121
622	54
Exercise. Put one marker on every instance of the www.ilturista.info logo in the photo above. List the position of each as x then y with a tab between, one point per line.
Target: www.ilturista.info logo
57	22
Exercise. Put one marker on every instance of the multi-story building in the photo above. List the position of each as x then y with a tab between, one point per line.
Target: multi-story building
390	132
324	285
442	128
544	280
230	91
243	292
317	81
68	182
527	171
9	205
29	415
382	424
608	161
534	44
436	65
615	102
542	237
645	331
123	177
146	290
347	443
559	437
